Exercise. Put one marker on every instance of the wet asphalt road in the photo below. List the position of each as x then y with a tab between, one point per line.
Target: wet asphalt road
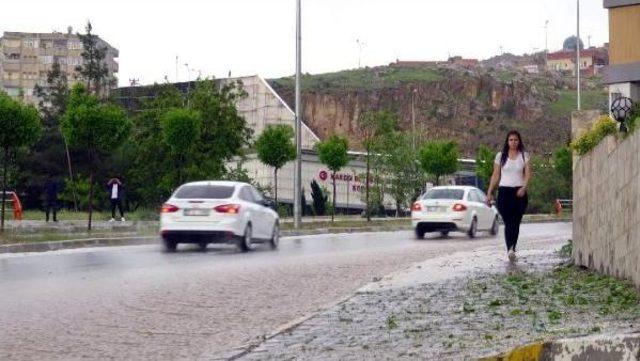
140	303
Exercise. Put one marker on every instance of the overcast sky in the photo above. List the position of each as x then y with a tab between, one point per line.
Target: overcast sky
250	37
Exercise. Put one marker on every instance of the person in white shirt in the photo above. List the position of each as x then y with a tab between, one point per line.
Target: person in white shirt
511	172
115	189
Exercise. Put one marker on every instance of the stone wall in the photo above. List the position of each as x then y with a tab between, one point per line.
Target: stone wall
606	214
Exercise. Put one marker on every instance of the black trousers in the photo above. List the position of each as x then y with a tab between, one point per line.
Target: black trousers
51	206
118	203
511	208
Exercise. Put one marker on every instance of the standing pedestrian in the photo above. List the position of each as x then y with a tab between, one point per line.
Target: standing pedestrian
116	191
511	172
51	198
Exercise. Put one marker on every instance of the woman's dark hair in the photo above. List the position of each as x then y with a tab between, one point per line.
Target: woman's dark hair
505	147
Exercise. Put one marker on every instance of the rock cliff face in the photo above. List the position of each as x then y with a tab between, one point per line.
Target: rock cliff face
471	107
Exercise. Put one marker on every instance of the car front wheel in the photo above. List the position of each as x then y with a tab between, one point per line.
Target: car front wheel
419	233
275	237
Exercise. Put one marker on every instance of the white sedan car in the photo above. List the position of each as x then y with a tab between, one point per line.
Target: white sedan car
453	208
218	212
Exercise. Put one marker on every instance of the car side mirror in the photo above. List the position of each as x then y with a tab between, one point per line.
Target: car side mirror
268	203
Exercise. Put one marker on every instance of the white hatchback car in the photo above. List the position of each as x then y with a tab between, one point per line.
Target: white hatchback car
218	212
453	208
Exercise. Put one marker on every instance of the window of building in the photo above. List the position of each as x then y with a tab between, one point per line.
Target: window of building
60	43
30	43
47	59
74	45
11	43
14	92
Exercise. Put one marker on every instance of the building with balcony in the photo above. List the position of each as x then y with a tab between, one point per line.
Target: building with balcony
26	58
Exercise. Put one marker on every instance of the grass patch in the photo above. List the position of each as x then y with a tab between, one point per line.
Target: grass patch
66	215
568	99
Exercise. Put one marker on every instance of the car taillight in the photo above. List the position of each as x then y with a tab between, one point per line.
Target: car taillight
228	208
168	208
459	207
416	207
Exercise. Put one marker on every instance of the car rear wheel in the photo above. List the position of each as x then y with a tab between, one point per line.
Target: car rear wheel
474	228
275	237
203	246
170	245
245	243
419	233
494	227
444	233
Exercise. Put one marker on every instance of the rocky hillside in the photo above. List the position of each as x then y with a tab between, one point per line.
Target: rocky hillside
474	107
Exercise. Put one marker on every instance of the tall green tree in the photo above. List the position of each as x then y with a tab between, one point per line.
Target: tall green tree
94	127
439	158
50	154
94	72
20	125
333	153
275	148
484	164
372	128
404	177
181	132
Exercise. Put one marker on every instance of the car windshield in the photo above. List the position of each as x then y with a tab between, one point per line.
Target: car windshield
204	192
445	193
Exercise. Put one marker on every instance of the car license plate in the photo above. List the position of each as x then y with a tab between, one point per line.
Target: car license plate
435	209
196	212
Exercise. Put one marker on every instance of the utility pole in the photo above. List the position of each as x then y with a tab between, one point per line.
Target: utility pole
413	119
360	44
298	167
578	54
546	44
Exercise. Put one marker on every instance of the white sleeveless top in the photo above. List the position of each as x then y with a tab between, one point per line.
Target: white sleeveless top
512	172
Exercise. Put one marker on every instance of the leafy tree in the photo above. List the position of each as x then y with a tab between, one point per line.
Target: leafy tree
94	127
333	153
373	127
403	175
563	163
275	149
484	164
439	158
181	132
93	71
320	199
545	187
20	125
50	154
224	132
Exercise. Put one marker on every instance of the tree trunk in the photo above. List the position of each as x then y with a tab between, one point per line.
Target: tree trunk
73	182
437	180
333	204
275	178
367	189
4	186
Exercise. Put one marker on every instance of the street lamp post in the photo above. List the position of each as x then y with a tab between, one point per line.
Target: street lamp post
298	166
578	53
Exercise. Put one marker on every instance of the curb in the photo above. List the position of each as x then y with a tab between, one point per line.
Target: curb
76	243
597	347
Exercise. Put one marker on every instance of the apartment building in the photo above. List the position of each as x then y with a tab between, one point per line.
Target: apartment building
623	73
25	59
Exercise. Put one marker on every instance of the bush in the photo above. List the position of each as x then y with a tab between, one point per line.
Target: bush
587	141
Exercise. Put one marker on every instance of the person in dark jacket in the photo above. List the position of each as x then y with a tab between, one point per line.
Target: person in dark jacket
51	190
116	191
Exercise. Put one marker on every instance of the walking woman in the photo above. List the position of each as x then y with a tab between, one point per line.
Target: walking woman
511	172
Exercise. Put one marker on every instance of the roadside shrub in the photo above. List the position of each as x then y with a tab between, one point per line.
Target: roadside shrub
588	140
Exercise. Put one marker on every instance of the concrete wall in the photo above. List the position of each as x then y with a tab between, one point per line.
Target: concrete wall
606	214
